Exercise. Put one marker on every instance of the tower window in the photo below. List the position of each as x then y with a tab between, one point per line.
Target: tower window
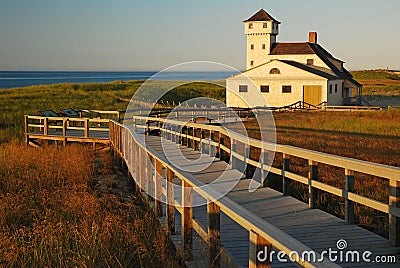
265	25
264	89
310	61
251	46
250	25
275	71
286	89
336	86
243	88
330	89
263	46
251	63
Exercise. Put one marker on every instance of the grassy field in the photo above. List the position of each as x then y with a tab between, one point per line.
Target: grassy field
53	214
379	82
15	103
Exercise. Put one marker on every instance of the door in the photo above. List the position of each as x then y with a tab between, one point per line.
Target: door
312	95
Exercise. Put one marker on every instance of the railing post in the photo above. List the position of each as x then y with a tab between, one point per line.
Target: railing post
142	169
202	145
185	141
259	252
285	180
264	161
313	176
65	121
394	222
170	215
165	131
147	132
194	136
189	137
137	166
246	165
178	130
158	206
220	150
187	220
211	145
233	161
172	129
86	134
45	126
214	237
150	176
26	125
349	205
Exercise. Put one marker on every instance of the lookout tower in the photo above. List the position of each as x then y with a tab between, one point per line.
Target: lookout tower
261	31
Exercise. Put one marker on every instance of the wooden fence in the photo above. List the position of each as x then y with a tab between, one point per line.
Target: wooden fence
149	170
192	133
66	129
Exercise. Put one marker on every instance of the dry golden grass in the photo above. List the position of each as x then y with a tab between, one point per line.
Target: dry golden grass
51	214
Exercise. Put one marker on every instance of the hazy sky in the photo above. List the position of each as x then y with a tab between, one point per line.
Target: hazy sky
152	35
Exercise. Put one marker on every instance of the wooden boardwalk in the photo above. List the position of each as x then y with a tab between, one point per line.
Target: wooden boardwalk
230	231
314	228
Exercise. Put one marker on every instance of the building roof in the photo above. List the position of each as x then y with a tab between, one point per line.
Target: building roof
311	69
325	55
305	48
262	15
291	49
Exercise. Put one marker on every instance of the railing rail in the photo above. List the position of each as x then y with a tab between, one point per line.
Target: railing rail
183	130
60	126
145	165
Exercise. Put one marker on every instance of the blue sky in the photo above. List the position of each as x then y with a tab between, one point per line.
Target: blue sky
152	35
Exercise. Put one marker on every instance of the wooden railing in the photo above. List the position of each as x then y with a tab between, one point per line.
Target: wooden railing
192	133
60	126
149	170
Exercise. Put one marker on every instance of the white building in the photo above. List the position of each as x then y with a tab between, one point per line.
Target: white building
286	73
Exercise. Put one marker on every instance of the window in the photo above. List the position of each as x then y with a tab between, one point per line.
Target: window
330	89
250	25
263	46
251	46
264	89
275	71
252	63
310	61
336	86
265	25
243	88
286	89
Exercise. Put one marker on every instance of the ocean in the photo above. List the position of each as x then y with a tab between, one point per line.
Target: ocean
12	79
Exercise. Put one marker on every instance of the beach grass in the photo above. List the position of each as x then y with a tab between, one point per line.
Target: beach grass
15	103
54	214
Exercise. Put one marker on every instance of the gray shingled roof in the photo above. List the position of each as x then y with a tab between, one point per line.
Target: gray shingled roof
310	69
291	49
305	48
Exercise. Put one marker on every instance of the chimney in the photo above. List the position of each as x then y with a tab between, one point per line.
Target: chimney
312	37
